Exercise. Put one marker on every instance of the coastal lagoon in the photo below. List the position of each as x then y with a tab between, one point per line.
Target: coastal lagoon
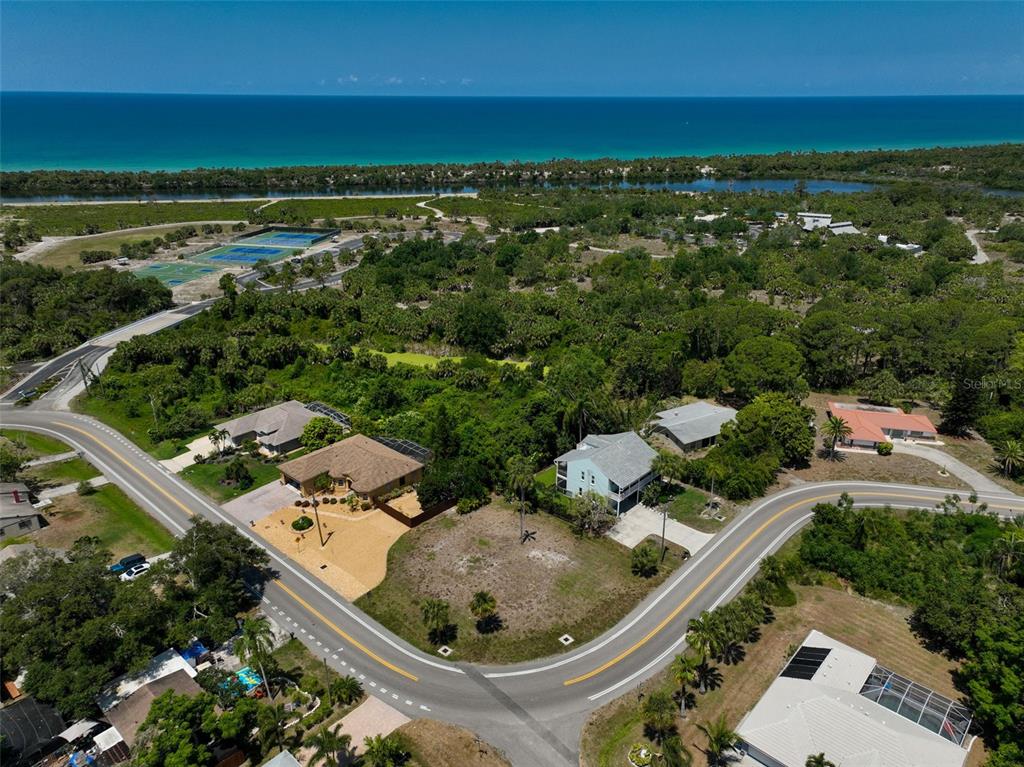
174	132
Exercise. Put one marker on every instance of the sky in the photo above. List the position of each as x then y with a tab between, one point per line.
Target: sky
514	48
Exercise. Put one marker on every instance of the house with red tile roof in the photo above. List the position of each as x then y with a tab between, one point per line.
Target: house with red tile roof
870	424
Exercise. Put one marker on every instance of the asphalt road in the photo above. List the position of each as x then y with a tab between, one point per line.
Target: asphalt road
533	711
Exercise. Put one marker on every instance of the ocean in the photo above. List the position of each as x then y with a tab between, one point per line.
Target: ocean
173	132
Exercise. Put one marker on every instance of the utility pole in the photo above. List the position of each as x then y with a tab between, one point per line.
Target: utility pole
316	514
664	517
85	376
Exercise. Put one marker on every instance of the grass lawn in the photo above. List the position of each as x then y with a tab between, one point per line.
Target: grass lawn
35	444
686	508
207	477
64	472
135	428
108	514
73	219
543	589
873	627
546	477
67	253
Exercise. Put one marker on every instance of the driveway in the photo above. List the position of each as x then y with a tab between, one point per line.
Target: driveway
641	521
261	502
201	446
957	468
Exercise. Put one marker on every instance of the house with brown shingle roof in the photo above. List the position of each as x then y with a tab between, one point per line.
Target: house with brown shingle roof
357	463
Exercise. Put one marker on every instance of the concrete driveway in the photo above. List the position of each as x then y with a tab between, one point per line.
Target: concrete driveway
261	502
641	521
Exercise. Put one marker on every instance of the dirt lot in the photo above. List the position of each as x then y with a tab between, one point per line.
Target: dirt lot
873	627
356	555
544	588
437	744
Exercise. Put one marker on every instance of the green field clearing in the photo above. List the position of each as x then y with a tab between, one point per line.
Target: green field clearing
686	508
108	217
347	207
421	360
109	515
35	444
546	477
67	253
207	477
64	472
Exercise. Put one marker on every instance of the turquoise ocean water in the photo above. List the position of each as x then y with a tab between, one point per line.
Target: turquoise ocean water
170	132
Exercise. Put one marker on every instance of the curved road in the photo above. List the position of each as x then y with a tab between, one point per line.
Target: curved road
533	711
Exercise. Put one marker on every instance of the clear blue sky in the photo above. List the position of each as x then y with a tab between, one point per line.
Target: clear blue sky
516	48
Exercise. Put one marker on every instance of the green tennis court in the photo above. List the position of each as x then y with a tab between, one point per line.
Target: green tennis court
175	273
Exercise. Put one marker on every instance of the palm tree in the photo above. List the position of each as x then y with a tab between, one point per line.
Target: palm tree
714	471
214	437
721	739
255	644
818	760
383	752
835	429
702	636
659	714
1007	550
1010	457
328	746
271	719
483	606
345	690
435	617
684	672
520	479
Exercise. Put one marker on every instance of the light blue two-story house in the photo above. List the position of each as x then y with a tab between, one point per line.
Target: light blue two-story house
616	466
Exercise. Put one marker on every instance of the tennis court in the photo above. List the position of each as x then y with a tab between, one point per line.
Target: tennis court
285	237
243	254
175	273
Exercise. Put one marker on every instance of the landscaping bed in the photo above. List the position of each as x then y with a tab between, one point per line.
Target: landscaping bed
210	477
544	588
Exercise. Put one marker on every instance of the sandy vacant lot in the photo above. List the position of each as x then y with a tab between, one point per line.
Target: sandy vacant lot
355	558
438	744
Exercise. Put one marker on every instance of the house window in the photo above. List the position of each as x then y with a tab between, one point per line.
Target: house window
583	475
591	479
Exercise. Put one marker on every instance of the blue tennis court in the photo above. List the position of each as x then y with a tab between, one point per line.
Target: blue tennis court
242	254
294	239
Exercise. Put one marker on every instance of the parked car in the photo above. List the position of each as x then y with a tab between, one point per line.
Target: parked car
134	572
125	562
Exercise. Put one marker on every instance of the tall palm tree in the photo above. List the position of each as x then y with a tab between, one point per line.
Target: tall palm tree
328	747
702	636
684	673
383	751
255	645
835	429
1007	550
271	719
520	478
1010	457
721	740
345	690
435	616
818	760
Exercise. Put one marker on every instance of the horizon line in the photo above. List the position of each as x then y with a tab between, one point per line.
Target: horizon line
507	96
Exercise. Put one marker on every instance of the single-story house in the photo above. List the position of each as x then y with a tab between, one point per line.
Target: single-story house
693	426
278	428
163	665
831	698
615	466
908	247
17	515
357	463
871	424
812	221
129	714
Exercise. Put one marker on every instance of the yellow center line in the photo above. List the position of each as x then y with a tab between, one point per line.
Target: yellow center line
714	574
290	592
347	637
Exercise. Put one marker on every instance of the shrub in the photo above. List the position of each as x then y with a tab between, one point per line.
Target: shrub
310	683
884	448
302	523
84	488
644	560
467	505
